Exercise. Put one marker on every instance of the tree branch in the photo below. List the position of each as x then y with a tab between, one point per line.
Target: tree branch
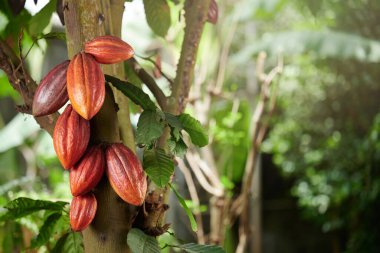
195	16
23	84
150	83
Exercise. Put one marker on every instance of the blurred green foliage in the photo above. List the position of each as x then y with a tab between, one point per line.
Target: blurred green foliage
325	136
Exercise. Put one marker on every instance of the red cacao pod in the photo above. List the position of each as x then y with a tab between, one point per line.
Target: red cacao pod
126	174
86	174
71	137
82	211
212	15
109	49
51	94
85	85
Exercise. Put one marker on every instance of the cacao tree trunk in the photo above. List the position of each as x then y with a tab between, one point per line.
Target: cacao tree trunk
86	19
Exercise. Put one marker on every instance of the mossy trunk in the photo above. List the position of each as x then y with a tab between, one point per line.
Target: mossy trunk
85	20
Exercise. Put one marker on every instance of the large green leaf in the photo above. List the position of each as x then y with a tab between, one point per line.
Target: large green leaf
159	166
199	248
188	212
69	243
21	207
324	44
158	16
149	127
139	242
46	231
194	128
42	19
134	93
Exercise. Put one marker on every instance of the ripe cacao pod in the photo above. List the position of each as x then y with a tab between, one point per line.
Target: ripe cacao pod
109	49
85	85
82	211
51	94
125	174
86	174
71	137
212	15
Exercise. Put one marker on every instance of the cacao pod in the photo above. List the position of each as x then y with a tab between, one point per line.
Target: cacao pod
82	211
109	49
71	137
212	15
86	174
85	85
51	94
125	174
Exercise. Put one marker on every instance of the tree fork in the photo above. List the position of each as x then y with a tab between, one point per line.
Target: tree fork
85	20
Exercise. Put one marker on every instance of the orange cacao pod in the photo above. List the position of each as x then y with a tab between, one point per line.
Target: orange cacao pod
85	85
82	211
126	174
86	174
109	49
71	137
51	94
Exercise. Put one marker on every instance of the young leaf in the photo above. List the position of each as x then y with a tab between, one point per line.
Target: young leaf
199	248
69	243
173	121
139	242
46	231
21	207
194	128
193	223
134	93
158	16
149	127
159	166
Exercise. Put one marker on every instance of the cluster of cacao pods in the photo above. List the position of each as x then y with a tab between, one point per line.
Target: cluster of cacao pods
81	81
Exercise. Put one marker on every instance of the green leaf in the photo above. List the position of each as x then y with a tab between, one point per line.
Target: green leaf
139	242
173	121
177	147
134	93
159	166
193	223
24	206
194	128
158	16
42	19
199	248
46	231
149	127
69	243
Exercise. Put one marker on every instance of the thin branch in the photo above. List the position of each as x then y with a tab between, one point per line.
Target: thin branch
24	85
196	16
158	67
149	81
258	133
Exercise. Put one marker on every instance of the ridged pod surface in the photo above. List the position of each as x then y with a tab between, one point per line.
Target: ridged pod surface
85	85
51	94
71	137
212	15
109	49
126	174
82	211
86	174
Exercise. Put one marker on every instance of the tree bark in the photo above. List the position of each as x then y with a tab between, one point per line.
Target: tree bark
85	20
